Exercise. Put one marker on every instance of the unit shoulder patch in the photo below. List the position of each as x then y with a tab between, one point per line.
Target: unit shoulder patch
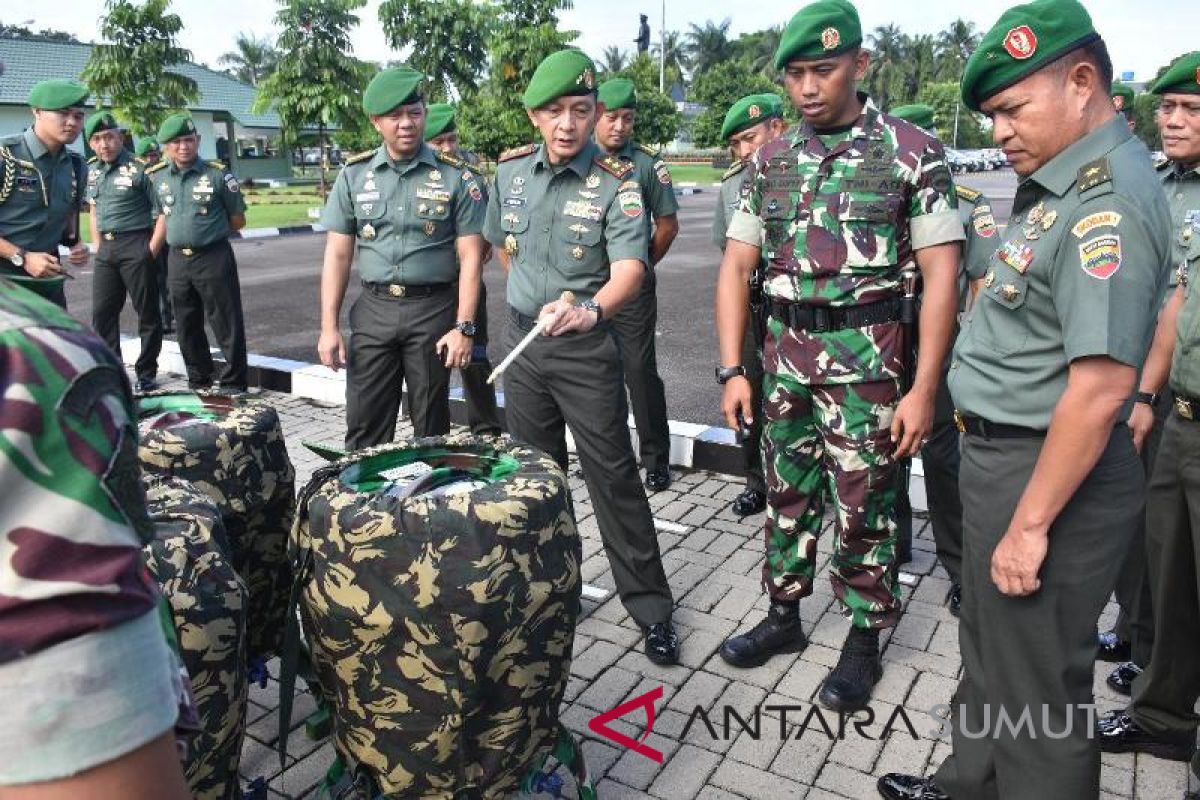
1093	174
453	161
1100	257
1100	219
517	152
614	166
734	169
967	193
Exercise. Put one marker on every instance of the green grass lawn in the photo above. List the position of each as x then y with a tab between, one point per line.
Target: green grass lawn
695	173
277	215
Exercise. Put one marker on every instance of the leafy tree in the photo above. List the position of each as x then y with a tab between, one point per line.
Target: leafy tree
356	134
954	46
614	60
317	80
657	118
252	59
887	57
449	40
709	45
132	69
1145	122
718	89
919	64
944	99
45	34
676	50
643	71
758	49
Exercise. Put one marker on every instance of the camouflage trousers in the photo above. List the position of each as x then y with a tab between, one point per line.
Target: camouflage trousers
830	443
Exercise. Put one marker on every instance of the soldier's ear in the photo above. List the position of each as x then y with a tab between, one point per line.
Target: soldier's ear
862	60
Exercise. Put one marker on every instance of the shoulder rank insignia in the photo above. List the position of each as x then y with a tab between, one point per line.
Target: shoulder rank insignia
734	169
157	166
359	158
93	159
517	152
1093	173
965	193
614	166
647	149
217	165
453	161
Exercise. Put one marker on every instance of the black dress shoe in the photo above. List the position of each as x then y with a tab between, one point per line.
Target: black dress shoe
895	786
848	687
780	632
954	599
1121	679
662	643
1112	649
658	478
750	501
147	383
1118	733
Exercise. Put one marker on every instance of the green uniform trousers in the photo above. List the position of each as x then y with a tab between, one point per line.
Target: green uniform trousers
635	325
124	266
483	418
1164	696
575	379
393	343
752	445
1028	661
205	285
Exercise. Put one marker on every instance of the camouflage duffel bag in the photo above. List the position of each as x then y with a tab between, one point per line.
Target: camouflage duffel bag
438	584
189	560
233	451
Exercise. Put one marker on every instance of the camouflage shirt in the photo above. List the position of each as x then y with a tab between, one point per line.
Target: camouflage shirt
73	518
838	224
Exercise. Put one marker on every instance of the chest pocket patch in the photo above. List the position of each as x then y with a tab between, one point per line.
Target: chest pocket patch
868	228
777	211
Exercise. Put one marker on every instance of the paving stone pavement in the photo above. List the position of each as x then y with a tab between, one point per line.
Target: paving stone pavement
713	561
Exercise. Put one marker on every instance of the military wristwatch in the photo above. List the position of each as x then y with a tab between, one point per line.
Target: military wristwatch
725	373
1148	398
592	305
18	258
466	328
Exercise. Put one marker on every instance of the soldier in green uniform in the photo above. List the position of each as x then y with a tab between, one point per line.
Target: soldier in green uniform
749	123
42	188
1122	100
148	152
414	217
842	206
636	323
1161	720
483	417
199	205
939	453
1043	375
122	224
565	217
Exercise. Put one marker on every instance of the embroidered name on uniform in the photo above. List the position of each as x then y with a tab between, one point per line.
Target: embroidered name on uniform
1102	219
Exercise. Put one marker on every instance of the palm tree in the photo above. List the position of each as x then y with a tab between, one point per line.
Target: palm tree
954	46
614	60
709	45
253	60
676	51
918	66
887	46
759	48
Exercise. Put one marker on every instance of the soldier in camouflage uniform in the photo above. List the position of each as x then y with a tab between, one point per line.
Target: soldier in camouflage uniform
190	560
87	683
750	123
636	323
841	206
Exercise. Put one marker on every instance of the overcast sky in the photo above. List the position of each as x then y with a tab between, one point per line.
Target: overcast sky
1142	34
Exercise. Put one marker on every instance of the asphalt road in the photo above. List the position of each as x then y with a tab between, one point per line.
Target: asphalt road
279	278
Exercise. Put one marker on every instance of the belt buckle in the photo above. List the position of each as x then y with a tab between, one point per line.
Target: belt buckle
108	236
187	251
1183	407
396	290
959	422
822	319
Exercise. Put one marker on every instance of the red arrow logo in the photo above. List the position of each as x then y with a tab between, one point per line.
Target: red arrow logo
599	724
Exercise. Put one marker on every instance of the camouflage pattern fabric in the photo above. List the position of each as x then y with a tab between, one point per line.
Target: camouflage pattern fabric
234	451
441	626
832	442
189	559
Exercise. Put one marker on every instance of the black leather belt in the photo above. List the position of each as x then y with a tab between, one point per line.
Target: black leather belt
823	319
195	250
1188	408
111	235
399	290
978	426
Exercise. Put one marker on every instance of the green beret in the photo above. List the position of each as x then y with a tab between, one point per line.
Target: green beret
46	287
1122	97
100	121
918	114
398	86
1182	78
749	111
1025	39
618	93
174	126
57	94
822	29
567	73
439	119
145	146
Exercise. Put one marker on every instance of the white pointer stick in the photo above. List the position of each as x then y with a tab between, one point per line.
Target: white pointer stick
539	326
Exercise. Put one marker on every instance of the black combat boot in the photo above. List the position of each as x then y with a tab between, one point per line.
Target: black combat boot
780	632
848	687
